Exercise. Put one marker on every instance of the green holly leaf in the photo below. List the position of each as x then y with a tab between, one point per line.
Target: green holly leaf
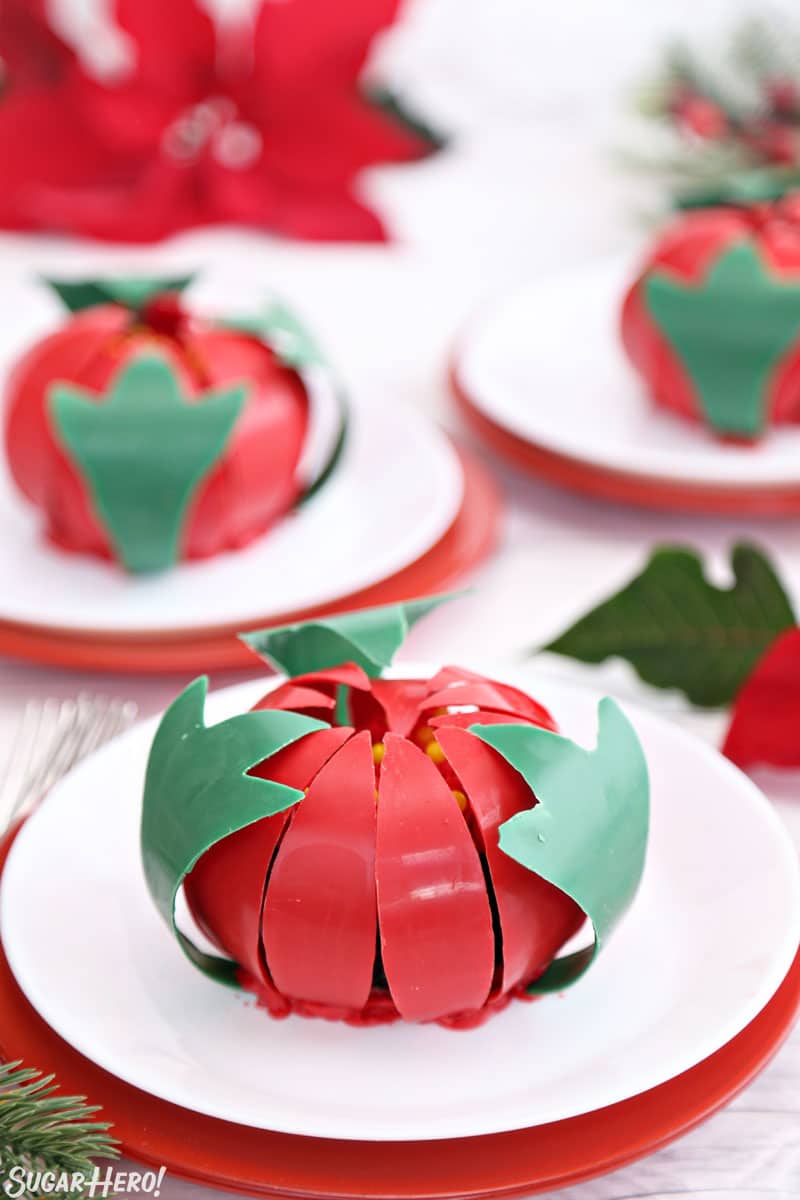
679	631
369	637
730	332
143	450
588	833
197	792
132	293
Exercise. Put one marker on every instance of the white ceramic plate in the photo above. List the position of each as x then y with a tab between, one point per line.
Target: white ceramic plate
547	364
711	936
365	524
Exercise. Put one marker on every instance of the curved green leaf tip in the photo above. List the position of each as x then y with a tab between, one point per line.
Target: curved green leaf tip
680	631
295	346
369	637
143	451
197	792
588	833
285	333
131	293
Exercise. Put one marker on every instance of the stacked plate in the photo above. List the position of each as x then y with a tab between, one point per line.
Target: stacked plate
697	989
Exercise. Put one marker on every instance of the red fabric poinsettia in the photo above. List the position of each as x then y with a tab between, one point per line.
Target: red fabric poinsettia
31	52
266	128
765	727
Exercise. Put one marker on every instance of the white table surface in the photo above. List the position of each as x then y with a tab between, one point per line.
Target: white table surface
529	191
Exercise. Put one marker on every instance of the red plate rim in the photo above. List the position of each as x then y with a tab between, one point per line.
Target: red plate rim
620	486
522	1162
466	543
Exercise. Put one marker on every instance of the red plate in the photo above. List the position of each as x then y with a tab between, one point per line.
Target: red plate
622	487
519	1163
468	540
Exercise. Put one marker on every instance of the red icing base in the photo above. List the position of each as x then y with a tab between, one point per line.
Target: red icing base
379	1009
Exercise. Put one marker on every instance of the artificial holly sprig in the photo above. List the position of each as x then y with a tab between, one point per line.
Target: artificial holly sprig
733	124
40	1129
720	646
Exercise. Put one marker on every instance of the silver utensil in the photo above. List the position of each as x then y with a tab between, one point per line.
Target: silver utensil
52	736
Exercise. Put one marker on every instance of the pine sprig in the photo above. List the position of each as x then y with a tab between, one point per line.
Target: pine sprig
40	1129
732	119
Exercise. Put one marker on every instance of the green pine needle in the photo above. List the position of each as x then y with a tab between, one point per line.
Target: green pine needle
41	1130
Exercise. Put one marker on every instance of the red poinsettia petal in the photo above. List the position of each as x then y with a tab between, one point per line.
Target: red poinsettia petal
765	727
31	52
320	918
136	202
225	890
321	142
173	47
42	147
536	918
433	908
172	68
304	42
273	200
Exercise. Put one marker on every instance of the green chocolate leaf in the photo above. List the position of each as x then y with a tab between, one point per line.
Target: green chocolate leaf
296	347
588	833
197	792
285	333
143	451
680	631
130	293
730	332
369	637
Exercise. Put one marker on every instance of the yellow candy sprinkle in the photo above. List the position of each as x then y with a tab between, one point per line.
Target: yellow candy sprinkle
378	751
435	752
461	799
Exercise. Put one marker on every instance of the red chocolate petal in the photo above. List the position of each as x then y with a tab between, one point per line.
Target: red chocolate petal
392	704
297	699
433	907
536	919
464	720
492	697
349	674
448	675
225	890
319	920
